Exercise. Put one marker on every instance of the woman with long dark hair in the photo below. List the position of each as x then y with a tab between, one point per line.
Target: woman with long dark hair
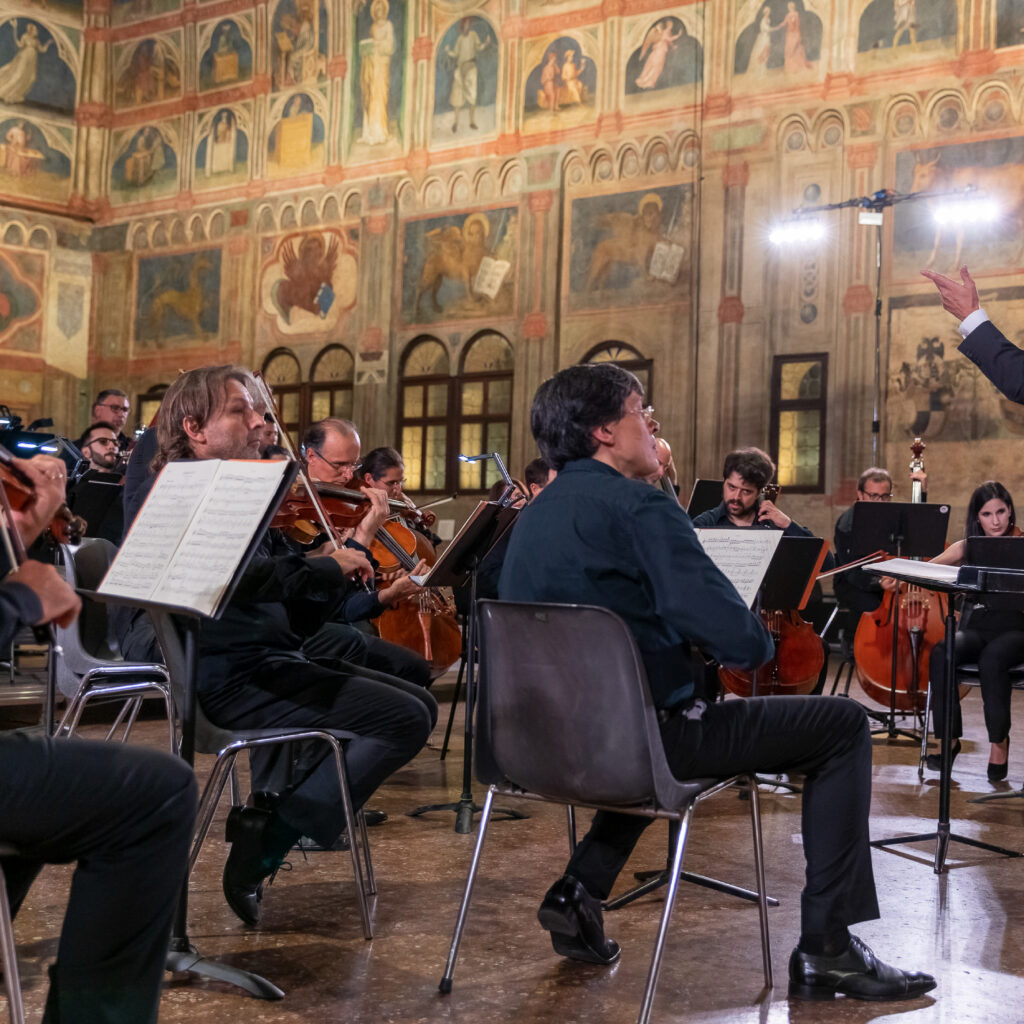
991	637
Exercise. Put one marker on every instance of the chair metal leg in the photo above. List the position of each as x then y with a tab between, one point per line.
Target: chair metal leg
570	814
126	713
455	704
222	769
445	985
353	845
924	734
762	894
670	899
9	958
234	789
371	882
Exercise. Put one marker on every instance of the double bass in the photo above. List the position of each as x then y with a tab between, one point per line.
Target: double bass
799	655
919	626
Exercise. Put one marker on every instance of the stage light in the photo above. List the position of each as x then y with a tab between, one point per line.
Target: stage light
797	231
965	212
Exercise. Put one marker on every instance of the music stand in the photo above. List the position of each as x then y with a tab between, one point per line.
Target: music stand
904	529
956	582
455	568
706	495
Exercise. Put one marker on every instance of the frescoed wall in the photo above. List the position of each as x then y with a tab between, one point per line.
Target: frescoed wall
177	298
378	85
226	56
37	66
465	82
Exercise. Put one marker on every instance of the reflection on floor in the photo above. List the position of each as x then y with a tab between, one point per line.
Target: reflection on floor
966	927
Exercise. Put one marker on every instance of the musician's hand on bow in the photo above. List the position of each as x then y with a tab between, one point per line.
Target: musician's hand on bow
889	583
353	563
47	477
922	477
375	518
403	586
59	601
959	298
768	513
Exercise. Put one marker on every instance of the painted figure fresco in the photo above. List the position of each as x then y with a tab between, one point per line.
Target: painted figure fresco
783	35
378	86
298	50
629	247
33	71
995	169
227	60
889	23
296	142
123	11
152	75
564	82
21	291
222	156
668	56
309	280
177	297
147	165
466	80
34	160
460	266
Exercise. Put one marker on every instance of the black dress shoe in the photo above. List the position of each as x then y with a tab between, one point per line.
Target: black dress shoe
997	772
856	973
374	817
934	761
576	923
243	870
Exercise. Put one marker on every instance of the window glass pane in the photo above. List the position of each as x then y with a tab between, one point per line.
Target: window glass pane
497	441
333	363
499	397
800	380
289	404
473	398
799	447
614	352
282	369
471	439
412	401
342	405
412	456
490	353
321	407
437	400
644	376
435	459
429	358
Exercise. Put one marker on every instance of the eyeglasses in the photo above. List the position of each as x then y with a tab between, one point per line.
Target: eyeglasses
868	496
101	440
115	406
336	466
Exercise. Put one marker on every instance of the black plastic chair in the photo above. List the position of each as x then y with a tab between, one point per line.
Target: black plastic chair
8	955
88	664
228	743
564	715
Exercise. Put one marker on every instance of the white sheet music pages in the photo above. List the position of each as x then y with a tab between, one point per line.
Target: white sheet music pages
908	567
194	528
743	556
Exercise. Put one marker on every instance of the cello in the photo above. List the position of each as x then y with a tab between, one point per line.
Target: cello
798	658
892	669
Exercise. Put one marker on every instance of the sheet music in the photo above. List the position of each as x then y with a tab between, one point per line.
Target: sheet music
901	567
193	529
743	556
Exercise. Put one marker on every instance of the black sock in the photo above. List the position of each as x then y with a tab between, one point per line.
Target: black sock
830	944
278	838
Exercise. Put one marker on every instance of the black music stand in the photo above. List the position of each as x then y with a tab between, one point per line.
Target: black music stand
182	955
904	529
706	495
455	568
960	583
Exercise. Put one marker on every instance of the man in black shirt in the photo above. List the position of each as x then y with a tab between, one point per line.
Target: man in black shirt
112	408
96	494
856	589
599	535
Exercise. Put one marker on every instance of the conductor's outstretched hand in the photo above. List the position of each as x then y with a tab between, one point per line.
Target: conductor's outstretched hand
958	297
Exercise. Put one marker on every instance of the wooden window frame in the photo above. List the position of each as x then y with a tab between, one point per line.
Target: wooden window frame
778	406
639	362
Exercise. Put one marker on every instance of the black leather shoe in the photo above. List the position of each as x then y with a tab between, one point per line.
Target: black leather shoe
934	761
856	973
997	772
374	817
576	923
243	870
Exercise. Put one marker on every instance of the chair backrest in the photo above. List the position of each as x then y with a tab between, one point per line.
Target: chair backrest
564	710
87	643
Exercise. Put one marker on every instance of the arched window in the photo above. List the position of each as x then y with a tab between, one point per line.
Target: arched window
282	372
330	384
621	354
485	407
424	415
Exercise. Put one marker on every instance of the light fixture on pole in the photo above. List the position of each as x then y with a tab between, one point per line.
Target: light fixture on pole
510	486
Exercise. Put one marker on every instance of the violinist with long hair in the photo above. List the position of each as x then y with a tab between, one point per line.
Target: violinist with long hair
993	638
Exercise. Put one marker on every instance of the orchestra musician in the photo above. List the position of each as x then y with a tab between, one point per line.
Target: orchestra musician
598	534
255	671
993	638
96	494
124	814
384	469
111	407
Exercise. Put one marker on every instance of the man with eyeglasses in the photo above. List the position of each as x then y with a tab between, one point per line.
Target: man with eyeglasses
111	408
96	494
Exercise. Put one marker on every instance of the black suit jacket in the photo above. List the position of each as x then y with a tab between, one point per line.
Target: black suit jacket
998	358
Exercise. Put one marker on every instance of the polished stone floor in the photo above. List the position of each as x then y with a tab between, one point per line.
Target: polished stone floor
966	926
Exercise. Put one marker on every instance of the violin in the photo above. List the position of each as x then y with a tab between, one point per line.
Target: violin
897	675
799	655
64	528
